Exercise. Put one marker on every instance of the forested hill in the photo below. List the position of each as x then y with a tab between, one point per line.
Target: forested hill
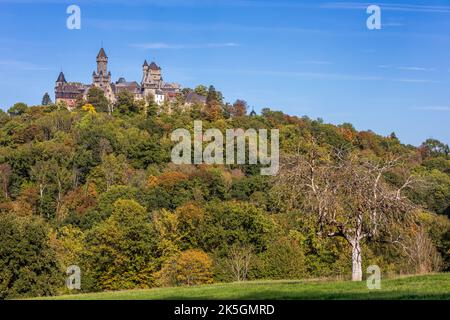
98	190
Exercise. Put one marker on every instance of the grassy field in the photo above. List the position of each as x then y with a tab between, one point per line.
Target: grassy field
414	287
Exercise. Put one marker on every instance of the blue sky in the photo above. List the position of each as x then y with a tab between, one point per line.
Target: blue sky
302	57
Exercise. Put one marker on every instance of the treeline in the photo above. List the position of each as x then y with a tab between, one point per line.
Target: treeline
94	187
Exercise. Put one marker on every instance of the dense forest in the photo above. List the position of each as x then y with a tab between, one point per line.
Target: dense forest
95	187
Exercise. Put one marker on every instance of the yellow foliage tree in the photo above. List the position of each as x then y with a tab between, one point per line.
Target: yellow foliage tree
89	108
191	267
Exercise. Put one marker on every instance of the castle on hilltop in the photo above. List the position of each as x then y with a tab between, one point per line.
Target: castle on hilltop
152	84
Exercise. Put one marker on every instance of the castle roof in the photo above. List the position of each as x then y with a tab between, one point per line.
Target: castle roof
102	54
154	66
71	87
61	78
132	87
145	63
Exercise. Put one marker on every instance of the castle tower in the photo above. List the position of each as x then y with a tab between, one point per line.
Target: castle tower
151	78
102	78
155	73
59	87
102	62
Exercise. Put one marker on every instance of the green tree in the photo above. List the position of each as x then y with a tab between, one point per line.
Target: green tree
201	90
230	223
46	100
284	259
28	264
97	98
122	250
125	103
112	171
434	148
18	109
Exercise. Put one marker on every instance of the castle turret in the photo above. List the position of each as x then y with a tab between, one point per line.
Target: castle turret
151	78
102	78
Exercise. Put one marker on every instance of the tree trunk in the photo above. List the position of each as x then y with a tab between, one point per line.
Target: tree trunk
356	261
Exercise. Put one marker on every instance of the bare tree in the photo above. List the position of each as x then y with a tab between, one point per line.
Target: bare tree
346	194
40	174
419	250
61	177
239	260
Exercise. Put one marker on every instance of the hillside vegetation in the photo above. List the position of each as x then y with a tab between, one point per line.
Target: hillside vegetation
98	190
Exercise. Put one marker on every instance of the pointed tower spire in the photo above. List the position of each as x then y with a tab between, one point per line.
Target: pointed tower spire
102	53
61	78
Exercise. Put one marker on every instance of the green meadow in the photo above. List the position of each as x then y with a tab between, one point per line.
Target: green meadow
436	286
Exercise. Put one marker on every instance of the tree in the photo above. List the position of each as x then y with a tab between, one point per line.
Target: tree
97	98
46	100
191	267
238	261
122	249
112	171
28	264
239	108
68	244
214	96
213	108
284	259
434	148
18	109
62	178
234	223
152	106
347	195
5	175
190	217
125	103
4	118
40	173
89	108
201	90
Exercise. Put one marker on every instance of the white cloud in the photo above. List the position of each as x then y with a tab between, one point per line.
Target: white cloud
163	45
388	6
409	80
308	75
434	108
405	68
20	65
416	69
316	62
